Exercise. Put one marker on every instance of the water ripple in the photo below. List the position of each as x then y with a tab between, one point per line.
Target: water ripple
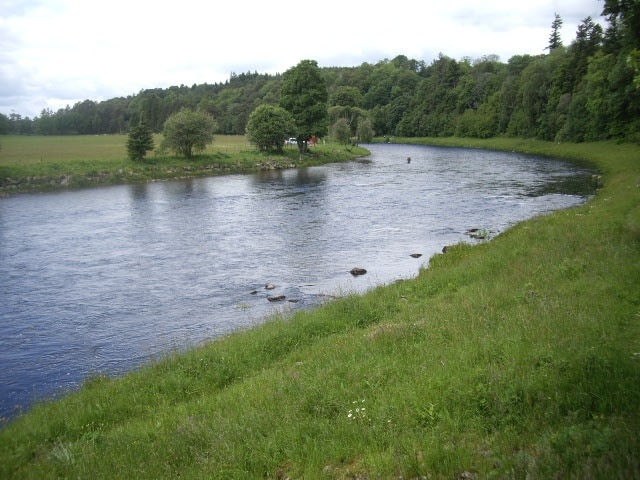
103	280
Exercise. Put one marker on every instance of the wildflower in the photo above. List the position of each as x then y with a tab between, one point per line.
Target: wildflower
359	412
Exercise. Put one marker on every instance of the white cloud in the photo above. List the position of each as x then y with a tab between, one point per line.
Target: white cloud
55	53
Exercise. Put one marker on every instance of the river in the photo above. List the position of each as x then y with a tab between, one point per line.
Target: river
102	280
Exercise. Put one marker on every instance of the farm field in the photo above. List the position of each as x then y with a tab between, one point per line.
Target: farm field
45	163
33	149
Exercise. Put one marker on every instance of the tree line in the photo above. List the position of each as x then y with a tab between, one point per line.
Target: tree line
302	112
585	91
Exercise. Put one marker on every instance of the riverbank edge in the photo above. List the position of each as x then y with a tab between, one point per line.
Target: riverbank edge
597	433
167	169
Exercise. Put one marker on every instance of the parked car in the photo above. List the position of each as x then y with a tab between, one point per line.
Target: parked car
291	141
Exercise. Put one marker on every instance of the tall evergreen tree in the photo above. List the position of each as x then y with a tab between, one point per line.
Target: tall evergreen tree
555	41
140	141
624	23
588	40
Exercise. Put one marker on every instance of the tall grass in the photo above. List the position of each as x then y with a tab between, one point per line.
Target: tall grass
516	358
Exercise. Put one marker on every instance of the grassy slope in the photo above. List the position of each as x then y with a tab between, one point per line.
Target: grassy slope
516	358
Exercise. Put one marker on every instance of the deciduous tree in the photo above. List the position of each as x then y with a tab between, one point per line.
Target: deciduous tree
269	126
188	131
346	96
304	94
364	132
341	131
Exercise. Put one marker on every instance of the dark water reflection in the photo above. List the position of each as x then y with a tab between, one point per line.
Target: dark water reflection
102	280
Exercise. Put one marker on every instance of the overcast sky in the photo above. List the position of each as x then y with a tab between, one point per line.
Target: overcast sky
55	53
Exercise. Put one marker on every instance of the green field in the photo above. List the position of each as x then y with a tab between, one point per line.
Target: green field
517	358
43	163
33	149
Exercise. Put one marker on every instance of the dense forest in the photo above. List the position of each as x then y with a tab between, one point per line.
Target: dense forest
586	91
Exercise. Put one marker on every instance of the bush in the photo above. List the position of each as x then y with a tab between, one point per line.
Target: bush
187	131
269	126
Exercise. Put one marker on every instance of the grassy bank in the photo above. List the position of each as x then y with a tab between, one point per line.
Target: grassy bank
516	358
46	163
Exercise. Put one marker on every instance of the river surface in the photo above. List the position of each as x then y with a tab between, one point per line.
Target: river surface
102	280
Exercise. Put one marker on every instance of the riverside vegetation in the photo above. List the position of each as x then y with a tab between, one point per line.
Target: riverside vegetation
514	358
45	163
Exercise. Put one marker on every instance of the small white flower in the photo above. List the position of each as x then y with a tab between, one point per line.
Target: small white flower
359	411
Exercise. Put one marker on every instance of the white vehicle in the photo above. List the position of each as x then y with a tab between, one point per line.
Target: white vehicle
291	141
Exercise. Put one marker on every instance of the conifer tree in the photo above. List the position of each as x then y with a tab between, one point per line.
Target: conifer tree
140	141
555	41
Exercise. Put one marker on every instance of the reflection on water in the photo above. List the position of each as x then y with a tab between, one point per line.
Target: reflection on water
102	280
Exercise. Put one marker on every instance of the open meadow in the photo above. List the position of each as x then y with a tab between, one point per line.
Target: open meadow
30	163
38	149
517	358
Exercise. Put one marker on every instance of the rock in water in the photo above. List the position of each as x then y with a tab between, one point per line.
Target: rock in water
276	298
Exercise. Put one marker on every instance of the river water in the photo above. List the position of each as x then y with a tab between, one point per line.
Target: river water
102	280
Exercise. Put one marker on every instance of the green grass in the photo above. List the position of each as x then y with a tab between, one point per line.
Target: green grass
44	163
35	149
515	358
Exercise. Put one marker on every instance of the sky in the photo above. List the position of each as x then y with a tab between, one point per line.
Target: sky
55	53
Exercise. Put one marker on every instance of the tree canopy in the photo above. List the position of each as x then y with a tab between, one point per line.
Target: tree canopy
341	132
304	94
188	131
269	126
586	90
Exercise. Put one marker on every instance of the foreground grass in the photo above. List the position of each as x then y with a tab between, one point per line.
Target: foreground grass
516	358
45	163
